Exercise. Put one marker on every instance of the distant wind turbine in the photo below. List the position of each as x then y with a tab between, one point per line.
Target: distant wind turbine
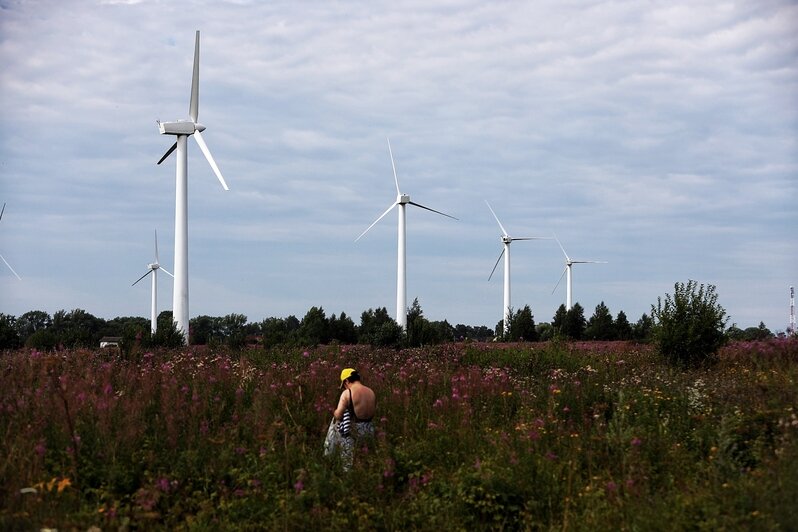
2	257
183	129
569	281
153	269
402	200
507	240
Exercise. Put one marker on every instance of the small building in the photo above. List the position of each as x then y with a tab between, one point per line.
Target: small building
110	341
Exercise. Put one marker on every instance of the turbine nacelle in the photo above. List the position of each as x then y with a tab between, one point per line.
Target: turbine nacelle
402	199
506	239
153	266
180	127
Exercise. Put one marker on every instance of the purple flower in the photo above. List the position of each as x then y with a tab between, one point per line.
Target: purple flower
636	442
299	486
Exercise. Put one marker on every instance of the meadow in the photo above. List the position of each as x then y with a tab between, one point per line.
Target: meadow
470	436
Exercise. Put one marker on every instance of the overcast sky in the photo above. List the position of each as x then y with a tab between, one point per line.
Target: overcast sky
659	136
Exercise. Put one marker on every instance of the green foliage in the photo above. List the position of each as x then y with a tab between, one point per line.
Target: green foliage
600	326
643	329
167	334
30	322
545	331
313	330
9	339
342	329
421	331
623	329
750	334
522	326
570	323
689	325
379	329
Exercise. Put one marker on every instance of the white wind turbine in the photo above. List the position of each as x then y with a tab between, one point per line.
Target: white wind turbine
402	200
153	269
569	280
2	257
183	129
507	240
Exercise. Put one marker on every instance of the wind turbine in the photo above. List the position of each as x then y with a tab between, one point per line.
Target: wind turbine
402	200
569	280
183	129
153	269
2	257
507	240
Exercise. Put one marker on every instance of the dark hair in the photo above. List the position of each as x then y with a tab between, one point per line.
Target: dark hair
354	377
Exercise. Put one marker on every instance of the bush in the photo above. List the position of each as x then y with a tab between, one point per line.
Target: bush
689	327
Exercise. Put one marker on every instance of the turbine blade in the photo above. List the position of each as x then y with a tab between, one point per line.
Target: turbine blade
193	109
562	248
531	238
497	263
377	220
396	179
168	153
156	247
2	211
560	279
142	277
433	210
166	272
504	232
9	266
207	153
588	262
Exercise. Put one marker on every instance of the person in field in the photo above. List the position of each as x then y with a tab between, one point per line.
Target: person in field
360	402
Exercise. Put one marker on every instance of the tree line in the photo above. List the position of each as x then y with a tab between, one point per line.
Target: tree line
78	328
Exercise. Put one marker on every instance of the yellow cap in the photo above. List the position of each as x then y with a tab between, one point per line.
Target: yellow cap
345	374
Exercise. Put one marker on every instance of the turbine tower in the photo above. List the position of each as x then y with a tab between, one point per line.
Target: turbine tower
569	281
153	269
183	129
507	240
2	257
402	200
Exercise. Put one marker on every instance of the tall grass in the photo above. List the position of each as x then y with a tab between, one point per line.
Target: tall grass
470	436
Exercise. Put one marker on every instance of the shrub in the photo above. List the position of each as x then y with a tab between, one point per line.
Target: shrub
689	326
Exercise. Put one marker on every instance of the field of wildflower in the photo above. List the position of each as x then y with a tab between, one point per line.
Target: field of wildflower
582	436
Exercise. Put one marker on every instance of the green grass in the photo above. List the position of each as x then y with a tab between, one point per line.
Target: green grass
579	436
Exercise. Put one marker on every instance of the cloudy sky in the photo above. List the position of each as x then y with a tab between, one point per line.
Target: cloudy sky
659	136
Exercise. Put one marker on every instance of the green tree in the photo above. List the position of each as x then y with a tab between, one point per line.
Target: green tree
204	330
167	333
9	339
234	330
417	325
279	331
313	330
371	321
522	326
689	326
32	321
623	329
545	331
77	328
342	329
642	330
389	334
558	321
757	333
574	323
600	326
